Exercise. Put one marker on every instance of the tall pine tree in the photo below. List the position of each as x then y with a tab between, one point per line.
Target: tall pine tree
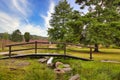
58	22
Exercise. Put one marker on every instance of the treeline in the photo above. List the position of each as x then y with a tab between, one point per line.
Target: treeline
17	36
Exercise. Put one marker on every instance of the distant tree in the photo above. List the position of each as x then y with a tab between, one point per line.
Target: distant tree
27	36
16	36
59	30
5	38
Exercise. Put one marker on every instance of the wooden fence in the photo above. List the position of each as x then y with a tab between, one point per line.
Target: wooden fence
35	47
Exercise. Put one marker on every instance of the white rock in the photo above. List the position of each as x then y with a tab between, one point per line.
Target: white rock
50	61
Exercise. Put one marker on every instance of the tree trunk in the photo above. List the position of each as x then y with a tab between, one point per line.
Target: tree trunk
96	49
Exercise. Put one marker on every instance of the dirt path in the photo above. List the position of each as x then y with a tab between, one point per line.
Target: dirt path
110	61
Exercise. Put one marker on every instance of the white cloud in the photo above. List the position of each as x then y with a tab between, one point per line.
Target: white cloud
33	29
48	17
16	18
22	6
8	23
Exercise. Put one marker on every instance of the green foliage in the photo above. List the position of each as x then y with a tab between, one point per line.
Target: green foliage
5	36
60	30
16	36
115	32
75	27
27	36
98	21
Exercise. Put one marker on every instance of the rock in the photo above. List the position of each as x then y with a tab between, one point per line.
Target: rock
23	64
75	77
57	64
59	71
42	60
50	60
67	69
66	66
12	69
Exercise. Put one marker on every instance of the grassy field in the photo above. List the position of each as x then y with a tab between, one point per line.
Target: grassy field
31	69
104	54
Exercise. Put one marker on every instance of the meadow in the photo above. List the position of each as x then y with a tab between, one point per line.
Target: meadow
31	69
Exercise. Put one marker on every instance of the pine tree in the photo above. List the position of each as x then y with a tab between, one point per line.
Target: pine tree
59	29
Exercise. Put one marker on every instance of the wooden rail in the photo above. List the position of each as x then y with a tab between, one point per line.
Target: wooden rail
36	47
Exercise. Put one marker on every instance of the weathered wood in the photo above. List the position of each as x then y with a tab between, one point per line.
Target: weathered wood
10	51
50	55
64	49
22	49
35	47
49	48
90	52
18	44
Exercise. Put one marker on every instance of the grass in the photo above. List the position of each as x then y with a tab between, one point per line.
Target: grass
11	69
17	69
104	54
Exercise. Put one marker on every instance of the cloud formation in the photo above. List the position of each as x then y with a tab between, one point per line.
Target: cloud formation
48	16
14	15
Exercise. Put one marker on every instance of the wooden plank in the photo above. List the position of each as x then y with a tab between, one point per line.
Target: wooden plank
18	44
10	51
42	55
90	52
35	47
22	49
51	48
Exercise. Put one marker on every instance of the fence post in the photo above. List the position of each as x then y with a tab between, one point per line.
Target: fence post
10	51
64	50
90	52
35	47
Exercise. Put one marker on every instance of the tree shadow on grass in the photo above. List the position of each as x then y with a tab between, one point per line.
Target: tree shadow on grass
88	51
115	52
78	51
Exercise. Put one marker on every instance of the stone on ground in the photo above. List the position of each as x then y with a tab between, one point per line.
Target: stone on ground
59	71
57	64
42	60
75	77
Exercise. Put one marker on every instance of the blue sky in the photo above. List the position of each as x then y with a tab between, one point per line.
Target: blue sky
28	15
